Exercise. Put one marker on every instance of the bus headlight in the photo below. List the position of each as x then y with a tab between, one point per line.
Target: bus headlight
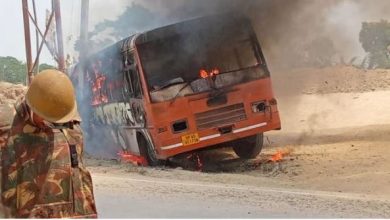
259	107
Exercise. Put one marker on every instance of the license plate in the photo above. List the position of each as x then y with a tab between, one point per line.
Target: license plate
190	139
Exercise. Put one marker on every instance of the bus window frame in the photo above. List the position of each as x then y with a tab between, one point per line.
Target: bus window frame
259	52
132	74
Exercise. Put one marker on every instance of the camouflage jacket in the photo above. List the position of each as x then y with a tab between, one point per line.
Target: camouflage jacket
7	112
43	175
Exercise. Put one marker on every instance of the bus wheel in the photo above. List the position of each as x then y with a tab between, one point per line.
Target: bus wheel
147	151
249	147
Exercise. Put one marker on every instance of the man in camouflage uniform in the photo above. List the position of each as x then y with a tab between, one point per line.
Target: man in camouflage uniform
43	175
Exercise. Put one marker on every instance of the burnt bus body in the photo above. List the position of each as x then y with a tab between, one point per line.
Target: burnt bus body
184	87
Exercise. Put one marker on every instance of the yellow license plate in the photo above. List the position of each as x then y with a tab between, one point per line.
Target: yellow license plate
190	139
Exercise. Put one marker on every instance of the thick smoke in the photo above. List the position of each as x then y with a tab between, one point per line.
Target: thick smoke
293	33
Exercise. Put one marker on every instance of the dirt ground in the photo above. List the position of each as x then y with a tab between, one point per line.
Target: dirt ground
335	127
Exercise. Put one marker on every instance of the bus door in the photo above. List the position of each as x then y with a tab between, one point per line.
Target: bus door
135	112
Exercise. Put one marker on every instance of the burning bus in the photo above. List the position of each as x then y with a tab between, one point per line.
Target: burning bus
184	87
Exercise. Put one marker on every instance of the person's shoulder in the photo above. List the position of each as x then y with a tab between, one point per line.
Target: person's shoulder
21	124
21	109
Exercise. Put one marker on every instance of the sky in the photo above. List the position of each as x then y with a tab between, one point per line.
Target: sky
11	23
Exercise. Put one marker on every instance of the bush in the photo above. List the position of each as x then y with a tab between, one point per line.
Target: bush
14	71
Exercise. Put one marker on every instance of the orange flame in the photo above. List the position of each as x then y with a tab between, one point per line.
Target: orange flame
280	154
215	72
133	159
97	91
204	74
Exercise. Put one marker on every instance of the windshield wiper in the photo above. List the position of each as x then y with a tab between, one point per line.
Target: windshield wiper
170	83
216	91
182	89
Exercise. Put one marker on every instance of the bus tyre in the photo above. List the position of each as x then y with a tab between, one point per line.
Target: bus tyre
249	147
147	151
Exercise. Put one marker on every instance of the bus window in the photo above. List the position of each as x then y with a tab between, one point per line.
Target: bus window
132	80
136	83
127	87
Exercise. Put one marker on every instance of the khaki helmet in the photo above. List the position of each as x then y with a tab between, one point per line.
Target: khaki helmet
51	96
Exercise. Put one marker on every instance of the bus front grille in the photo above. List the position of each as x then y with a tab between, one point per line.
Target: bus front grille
222	116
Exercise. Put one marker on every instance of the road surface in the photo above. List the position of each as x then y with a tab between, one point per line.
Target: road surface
145	197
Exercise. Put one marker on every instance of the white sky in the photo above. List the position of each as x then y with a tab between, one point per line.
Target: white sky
11	23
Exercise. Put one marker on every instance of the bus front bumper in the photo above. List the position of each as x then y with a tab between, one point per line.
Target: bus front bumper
216	137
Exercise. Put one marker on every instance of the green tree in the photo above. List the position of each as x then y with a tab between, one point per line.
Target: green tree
45	66
14	71
375	40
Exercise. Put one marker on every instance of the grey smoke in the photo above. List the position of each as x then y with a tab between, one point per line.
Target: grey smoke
286	27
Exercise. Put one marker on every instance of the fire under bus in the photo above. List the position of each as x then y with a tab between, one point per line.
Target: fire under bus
184	87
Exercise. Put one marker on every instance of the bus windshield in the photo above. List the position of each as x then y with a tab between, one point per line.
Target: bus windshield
184	57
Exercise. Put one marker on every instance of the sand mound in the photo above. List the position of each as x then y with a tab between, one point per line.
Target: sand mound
337	79
9	92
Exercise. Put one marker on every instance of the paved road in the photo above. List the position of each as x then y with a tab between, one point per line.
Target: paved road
142	197
126	206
